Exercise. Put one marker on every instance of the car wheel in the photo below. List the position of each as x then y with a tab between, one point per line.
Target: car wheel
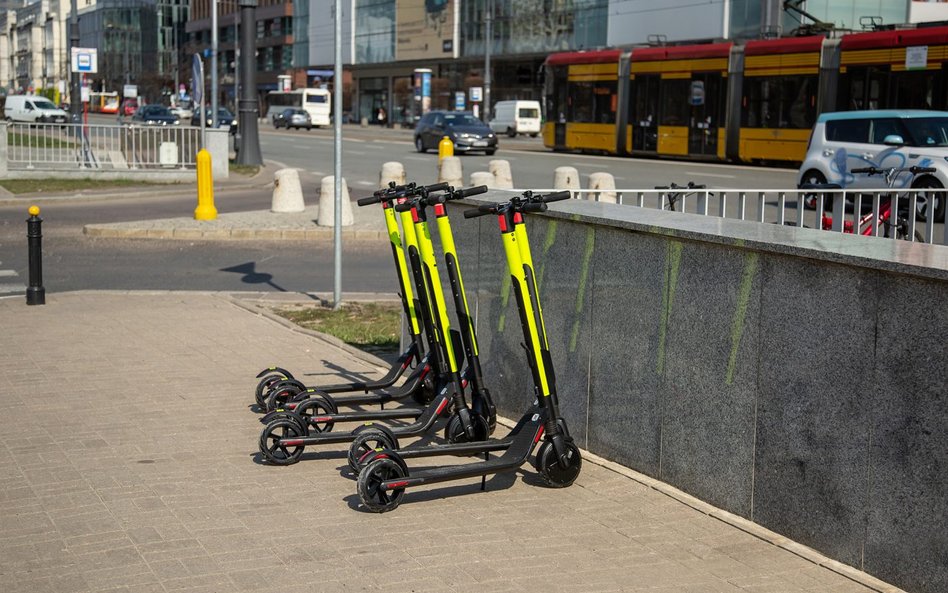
511	133
490	152
814	177
420	144
926	202
533	135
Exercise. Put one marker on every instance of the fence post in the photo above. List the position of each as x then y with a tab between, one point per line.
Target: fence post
4	149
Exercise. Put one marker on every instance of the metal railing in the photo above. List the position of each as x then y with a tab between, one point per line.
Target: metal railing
71	147
852	211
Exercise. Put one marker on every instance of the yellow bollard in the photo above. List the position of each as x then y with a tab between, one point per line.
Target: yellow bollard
445	148
205	209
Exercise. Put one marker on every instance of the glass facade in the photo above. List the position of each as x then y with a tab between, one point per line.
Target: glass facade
126	35
375	31
531	26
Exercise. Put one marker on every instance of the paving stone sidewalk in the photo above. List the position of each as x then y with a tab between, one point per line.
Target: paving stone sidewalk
129	464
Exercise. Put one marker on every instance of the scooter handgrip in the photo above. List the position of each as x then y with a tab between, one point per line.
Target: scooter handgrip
444	185
869	170
557	196
469	191
917	170
369	200
534	207
474	213
404	206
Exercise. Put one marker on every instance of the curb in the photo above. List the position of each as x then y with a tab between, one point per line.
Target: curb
232	234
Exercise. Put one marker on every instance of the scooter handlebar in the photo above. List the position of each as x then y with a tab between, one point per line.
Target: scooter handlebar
467	191
369	200
481	210
557	196
444	185
534	207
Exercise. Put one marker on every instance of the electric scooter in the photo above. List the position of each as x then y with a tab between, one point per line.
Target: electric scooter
418	205
278	385
382	483
282	442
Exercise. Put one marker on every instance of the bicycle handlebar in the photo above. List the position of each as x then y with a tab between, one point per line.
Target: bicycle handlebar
914	170
691	185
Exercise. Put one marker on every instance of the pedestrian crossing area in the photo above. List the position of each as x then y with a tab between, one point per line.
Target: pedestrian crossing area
10	283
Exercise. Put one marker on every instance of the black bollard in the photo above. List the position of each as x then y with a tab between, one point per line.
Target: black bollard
35	293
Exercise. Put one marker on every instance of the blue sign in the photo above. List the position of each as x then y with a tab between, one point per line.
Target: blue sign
84	62
459	101
426	84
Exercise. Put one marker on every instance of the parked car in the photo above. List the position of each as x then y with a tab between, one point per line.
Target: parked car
155	115
466	132
33	108
516	117
225	119
292	118
129	106
847	140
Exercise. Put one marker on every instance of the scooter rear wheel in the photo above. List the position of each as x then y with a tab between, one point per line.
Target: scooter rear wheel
366	442
552	473
263	388
370	479
271	448
316	407
279	396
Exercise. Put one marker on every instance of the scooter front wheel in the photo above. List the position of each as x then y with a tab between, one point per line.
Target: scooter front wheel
280	395
365	443
554	474
370	481
271	448
427	391
454	431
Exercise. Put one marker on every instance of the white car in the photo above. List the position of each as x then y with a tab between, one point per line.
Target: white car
847	140
183	112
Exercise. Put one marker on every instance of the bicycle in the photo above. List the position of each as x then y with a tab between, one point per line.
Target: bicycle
674	196
867	224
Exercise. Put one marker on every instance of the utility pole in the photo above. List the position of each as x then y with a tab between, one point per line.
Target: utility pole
337	161
75	93
247	106
488	41
214	91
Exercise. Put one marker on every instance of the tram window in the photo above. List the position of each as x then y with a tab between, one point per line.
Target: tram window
674	105
914	90
580	102
592	102
779	102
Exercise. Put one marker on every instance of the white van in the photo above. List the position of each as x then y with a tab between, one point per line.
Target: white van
33	109
516	117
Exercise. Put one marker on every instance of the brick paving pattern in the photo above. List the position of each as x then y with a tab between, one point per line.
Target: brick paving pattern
128	463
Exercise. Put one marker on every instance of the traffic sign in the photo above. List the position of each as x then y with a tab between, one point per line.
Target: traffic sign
85	59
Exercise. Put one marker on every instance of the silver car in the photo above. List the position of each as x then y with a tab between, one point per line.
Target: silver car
293	118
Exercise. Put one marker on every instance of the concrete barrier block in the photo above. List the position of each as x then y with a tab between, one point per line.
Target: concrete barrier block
327	203
483	178
503	178
566	178
607	184
391	171
450	171
287	192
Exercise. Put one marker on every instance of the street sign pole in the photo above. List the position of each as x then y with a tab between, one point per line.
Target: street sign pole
197	91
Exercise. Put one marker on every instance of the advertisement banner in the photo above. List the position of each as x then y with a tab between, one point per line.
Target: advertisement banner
424	29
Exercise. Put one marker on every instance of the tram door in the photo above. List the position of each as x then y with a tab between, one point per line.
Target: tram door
643	117
706	114
560	106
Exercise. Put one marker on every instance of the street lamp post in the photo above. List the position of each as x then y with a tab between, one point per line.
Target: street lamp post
488	41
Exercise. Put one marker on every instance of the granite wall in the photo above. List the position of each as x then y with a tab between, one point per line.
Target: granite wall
791	376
